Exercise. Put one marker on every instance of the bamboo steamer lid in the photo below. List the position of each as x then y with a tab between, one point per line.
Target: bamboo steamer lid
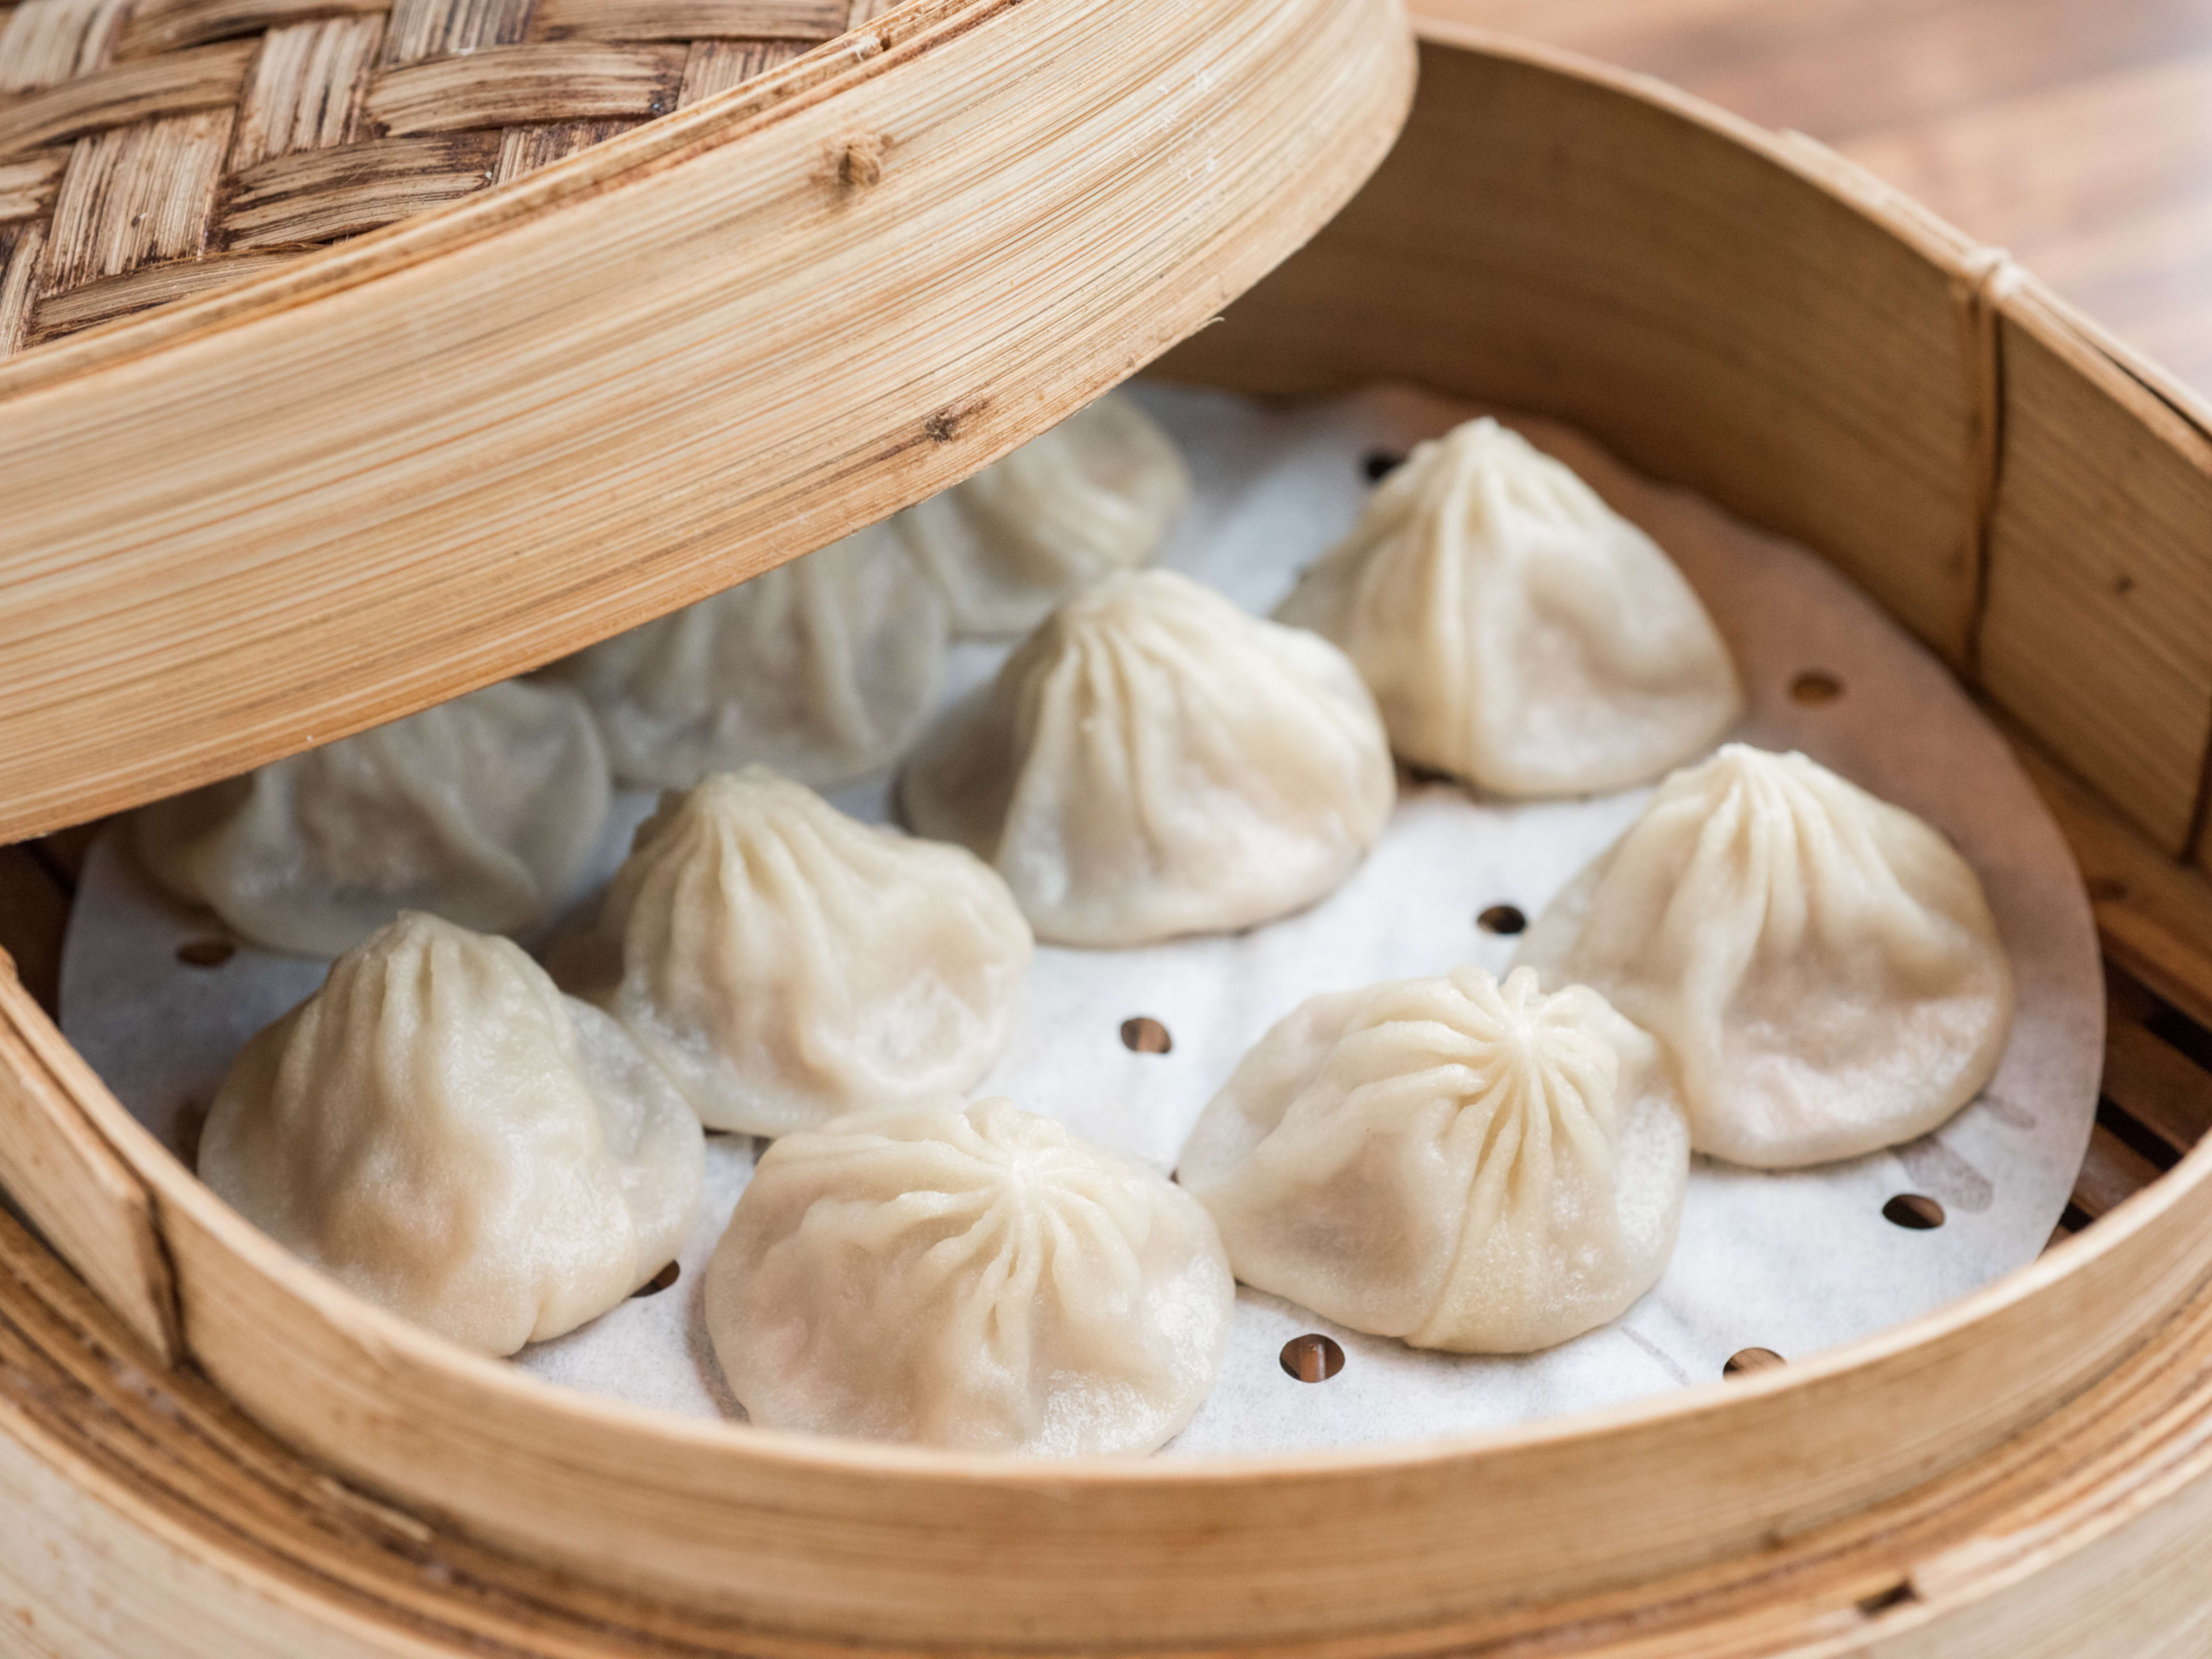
444	337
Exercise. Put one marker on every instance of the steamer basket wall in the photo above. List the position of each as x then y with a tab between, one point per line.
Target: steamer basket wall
262	1464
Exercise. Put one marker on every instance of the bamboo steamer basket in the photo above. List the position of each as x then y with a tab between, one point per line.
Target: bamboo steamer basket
209	1449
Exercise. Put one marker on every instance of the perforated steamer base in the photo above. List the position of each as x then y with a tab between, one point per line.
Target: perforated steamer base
1720	307
159	998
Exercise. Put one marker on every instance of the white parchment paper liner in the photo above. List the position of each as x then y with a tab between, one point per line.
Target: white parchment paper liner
1794	1261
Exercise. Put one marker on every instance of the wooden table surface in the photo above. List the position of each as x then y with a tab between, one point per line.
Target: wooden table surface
2075	133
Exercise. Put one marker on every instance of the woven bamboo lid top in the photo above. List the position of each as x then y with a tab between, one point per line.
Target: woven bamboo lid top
153	149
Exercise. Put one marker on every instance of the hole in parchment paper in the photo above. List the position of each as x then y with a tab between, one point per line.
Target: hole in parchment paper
1816	686
1746	1361
1312	1357
205	952
659	1282
1502	918
1144	1035
1380	464
1915	1210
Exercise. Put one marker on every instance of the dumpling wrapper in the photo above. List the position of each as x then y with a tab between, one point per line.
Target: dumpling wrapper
1516	631
969	1277
823	668
1095	494
1822	967
784	963
484	811
1457	1163
1154	762
443	1133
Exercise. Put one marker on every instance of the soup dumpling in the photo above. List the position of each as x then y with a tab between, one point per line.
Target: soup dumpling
1822	967
1455	1162
443	1133
1095	494
483	810
969	1277
1153	762
1516	631
823	668
784	963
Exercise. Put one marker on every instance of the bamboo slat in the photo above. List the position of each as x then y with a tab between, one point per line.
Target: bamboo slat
2169	1095
119	296
132	194
2153	915
116	101
2106	649
521	86
27	186
2112	1172
304	195
21	247
67	1177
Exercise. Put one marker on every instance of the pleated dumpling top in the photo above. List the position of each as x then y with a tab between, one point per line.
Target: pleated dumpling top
823	668
1516	631
1153	762
443	1131
971	1277
482	810
1459	1164
1094	495
1822	967
785	963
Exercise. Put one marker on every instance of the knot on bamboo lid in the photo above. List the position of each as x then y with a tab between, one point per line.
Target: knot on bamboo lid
860	164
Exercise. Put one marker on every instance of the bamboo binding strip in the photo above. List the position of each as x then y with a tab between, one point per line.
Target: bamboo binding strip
150	149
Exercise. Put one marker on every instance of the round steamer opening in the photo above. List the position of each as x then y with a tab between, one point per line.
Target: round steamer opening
1312	1357
1796	1261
